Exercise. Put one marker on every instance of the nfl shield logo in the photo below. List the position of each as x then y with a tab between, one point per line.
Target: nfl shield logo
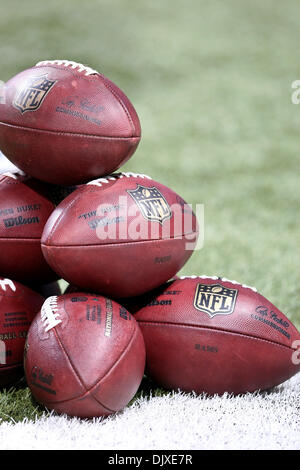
152	203
31	96
215	299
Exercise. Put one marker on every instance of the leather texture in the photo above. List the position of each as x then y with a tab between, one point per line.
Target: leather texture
201	339
91	363
61	126
18	307
119	265
24	211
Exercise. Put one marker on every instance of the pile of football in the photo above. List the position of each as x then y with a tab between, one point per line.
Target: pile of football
118	239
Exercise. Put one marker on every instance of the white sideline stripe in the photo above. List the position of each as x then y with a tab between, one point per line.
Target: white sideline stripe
6	165
175	421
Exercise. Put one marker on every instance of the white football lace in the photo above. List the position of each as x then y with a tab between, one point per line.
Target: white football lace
49	313
216	278
69	63
4	283
15	175
107	179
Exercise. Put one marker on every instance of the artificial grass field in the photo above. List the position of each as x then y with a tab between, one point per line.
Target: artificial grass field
211	82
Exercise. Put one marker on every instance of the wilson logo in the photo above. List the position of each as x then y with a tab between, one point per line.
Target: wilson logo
42	380
16	221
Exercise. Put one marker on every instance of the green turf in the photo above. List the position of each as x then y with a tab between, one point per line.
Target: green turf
211	82
16	404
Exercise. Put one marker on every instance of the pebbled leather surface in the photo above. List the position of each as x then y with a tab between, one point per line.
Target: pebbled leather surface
80	127
24	210
192	344
90	364
18	307
119	265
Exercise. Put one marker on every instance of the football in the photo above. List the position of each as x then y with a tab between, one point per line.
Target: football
84	355
212	335
65	123
24	210
120	236
18	307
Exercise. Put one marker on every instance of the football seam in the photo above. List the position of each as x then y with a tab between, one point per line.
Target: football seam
74	72
126	110
75	372
133	336
5	367
221	330
61	216
8	180
121	243
93	79
21	239
124	160
68	133
48	255
89	390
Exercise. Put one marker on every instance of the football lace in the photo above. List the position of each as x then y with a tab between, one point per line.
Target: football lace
101	181
15	174
69	63
49	313
216	278
4	283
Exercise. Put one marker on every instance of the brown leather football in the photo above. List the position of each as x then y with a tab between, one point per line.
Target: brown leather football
65	123
120	236
212	335
24	209
84	355
18	307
